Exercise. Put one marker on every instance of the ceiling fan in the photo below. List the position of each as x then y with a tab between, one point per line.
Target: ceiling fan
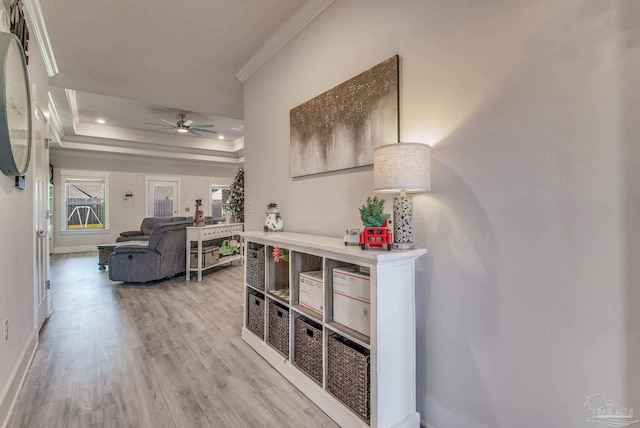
186	126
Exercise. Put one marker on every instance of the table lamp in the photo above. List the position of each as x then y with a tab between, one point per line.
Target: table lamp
402	168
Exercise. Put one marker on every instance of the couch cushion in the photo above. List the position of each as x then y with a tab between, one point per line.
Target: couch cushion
132	238
168	236
148	223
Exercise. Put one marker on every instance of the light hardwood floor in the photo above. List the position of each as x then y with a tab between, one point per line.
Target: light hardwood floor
161	355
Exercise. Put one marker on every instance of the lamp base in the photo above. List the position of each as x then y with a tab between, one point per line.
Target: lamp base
403	246
403	222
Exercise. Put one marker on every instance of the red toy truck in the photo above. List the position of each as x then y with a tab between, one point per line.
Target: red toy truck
376	237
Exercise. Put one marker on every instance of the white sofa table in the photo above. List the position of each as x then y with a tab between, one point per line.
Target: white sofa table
207	233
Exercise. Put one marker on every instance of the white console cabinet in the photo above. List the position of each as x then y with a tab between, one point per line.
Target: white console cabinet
390	347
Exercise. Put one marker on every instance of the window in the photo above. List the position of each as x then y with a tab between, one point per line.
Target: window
219	195
84	201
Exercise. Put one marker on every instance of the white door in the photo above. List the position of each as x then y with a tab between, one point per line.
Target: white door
162	198
40	170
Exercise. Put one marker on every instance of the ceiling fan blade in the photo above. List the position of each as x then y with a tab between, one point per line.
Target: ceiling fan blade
203	130
187	122
203	126
166	121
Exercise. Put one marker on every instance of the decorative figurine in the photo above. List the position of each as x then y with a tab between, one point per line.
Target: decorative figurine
274	222
229	247
198	217
351	237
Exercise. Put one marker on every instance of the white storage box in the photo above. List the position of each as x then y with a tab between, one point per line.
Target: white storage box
310	295
351	299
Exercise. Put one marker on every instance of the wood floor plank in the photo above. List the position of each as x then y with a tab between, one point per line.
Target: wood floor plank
86	390
152	339
87	420
150	402
183	405
118	396
23	415
59	376
55	414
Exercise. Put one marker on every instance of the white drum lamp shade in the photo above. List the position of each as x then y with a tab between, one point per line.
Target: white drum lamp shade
402	168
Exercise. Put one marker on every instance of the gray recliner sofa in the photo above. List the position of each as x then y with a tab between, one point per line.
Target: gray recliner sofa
162	257
146	227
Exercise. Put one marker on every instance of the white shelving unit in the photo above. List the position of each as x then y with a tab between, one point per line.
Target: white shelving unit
391	345
207	233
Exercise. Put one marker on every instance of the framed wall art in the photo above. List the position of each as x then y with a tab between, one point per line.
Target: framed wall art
340	128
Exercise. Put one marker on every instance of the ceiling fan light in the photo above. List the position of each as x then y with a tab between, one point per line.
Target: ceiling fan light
183	130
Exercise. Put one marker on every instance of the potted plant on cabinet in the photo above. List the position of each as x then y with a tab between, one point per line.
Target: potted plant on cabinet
375	233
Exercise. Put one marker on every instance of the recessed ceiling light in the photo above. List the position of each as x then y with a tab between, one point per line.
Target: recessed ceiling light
220	137
101	121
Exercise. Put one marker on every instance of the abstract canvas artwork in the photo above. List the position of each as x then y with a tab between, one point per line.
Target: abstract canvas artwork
340	128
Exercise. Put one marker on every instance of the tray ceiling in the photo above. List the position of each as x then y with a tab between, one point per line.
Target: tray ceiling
133	63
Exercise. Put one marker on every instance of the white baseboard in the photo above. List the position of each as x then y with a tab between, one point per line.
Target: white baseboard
439	416
77	249
13	387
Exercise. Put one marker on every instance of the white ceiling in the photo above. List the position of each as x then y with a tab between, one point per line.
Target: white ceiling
134	63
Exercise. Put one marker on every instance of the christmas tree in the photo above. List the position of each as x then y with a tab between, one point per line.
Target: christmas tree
235	201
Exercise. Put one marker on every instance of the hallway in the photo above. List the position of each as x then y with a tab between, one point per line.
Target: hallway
160	355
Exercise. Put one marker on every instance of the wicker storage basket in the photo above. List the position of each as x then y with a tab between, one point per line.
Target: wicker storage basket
348	374
255	267
308	347
279	327
255	314
210	256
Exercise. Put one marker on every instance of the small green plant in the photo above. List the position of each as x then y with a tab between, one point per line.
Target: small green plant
372	214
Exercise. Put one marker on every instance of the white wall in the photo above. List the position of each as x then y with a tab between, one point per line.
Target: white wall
17	258
528	299
128	174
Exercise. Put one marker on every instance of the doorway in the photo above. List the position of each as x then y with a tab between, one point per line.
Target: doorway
163	197
42	210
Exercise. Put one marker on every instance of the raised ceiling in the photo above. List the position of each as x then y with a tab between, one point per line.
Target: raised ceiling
134	63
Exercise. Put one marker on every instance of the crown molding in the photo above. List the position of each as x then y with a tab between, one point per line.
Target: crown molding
54	136
292	26
55	117
238	144
39	28
73	107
